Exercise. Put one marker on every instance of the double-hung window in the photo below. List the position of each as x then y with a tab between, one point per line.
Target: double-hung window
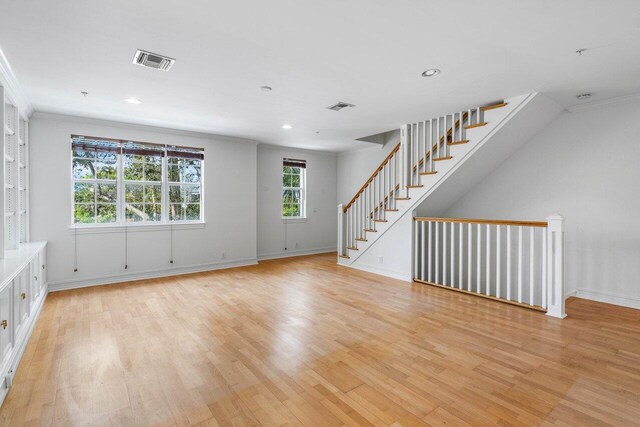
124	182
293	188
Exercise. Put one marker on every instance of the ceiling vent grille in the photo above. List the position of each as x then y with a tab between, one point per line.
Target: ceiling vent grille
153	60
339	106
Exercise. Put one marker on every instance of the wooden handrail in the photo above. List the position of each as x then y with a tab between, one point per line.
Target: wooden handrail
485	221
373	175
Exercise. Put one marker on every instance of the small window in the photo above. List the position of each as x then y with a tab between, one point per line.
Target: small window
117	182
293	188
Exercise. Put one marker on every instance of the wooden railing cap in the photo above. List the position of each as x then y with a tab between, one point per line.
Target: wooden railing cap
485	221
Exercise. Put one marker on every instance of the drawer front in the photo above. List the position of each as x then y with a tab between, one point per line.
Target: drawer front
6	322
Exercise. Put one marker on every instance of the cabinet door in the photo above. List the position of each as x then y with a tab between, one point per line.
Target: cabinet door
20	301
34	278
43	268
6	322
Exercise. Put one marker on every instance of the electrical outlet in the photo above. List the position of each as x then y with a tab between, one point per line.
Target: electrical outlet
296	245
223	255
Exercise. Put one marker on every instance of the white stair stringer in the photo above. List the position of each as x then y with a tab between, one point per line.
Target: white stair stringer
506	130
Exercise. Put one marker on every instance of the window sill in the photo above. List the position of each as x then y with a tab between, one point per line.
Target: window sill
97	229
294	220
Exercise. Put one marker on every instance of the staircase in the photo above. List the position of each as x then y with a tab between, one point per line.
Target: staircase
436	162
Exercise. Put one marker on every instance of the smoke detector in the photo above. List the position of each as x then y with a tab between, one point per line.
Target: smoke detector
153	60
339	106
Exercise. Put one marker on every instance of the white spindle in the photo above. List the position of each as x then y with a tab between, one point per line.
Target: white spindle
544	268
531	266
452	261
415	250
340	230
520	264
479	260
444	253
429	253
488	261
424	250
437	260
498	256
460	228
469	250
508	262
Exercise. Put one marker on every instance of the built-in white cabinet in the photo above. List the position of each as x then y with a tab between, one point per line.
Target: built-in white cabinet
23	279
23	289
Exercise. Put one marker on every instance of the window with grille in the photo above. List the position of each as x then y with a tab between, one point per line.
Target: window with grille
118	182
293	188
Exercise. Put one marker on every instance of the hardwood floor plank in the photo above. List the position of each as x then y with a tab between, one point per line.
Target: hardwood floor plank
303	341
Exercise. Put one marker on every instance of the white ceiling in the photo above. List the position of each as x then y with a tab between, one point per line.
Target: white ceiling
314	53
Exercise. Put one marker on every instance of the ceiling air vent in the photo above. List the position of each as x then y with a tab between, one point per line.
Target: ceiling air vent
153	60
339	106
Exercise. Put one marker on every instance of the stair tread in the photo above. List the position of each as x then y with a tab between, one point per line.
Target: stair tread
494	106
353	248
391	210
403	198
370	230
462	141
477	125
443	158
361	240
429	173
415	186
344	256
380	220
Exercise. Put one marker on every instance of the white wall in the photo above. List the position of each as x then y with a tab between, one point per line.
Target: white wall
229	197
355	167
318	233
584	166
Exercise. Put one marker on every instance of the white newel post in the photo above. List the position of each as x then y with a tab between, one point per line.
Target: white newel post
340	230
555	267
404	160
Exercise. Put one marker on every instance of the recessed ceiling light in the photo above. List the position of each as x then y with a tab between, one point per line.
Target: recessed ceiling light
431	72
287	127
266	88
133	101
584	96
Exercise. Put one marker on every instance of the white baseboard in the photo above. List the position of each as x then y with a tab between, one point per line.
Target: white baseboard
295	252
608	297
381	271
151	274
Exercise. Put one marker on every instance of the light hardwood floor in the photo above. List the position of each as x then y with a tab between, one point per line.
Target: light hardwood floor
304	341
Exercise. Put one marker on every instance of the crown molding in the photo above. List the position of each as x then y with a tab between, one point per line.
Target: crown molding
603	102
14	90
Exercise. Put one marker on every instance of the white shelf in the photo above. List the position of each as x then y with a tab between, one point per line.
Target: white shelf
8	185
8	158
21	165
8	130
21	188
21	142
9	213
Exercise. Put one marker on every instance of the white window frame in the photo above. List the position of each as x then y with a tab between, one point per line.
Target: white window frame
303	195
121	203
